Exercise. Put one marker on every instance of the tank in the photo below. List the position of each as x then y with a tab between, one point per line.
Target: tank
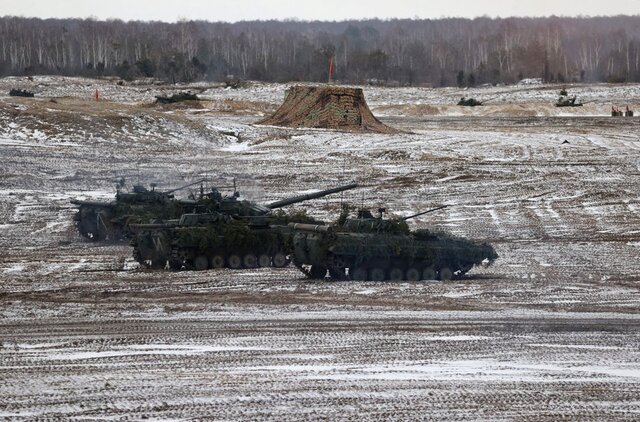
469	102
564	100
375	248
229	233
97	220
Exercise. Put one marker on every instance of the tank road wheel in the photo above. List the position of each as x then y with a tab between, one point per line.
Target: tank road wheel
89	226
249	261
264	260
138	257
337	267
234	262
396	274
429	274
201	263
463	270
318	272
158	264
102	231
280	260
185	257
377	274
217	261
175	265
338	273
445	274
175	262
183	254
413	274
358	273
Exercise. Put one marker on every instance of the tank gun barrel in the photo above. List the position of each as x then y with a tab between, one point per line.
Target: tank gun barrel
302	198
91	203
185	186
136	227
424	212
317	228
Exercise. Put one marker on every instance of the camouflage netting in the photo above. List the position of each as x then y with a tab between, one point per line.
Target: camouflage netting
326	107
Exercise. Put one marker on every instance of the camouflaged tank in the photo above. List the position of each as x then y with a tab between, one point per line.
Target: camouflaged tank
374	248
564	100
231	233
97	220
469	102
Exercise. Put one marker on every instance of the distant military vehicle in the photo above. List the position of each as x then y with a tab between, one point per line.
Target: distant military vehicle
98	220
20	93
565	101
375	248
230	233
469	102
176	98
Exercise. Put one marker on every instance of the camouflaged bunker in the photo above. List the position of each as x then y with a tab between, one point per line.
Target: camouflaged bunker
327	107
374	248
230	233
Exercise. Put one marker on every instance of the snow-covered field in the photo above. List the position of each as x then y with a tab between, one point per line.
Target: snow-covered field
550	332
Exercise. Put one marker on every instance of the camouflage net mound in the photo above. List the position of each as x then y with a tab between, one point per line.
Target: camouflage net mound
326	107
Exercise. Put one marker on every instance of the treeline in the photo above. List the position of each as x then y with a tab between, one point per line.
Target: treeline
440	52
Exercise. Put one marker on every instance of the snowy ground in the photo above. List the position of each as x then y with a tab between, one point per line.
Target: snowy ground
550	332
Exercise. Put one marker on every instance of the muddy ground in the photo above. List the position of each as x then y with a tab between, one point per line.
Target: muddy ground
549	332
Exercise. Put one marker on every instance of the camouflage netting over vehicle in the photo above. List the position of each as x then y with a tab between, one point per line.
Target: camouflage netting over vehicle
326	107
370	248
229	233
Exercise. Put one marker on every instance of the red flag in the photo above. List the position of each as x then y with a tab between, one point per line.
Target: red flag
97	95
330	67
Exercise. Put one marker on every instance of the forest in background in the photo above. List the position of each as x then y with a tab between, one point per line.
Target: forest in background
443	52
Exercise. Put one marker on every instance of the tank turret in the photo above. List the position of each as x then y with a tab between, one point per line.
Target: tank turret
375	248
110	220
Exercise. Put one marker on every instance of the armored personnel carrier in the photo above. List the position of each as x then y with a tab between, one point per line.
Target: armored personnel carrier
97	220
230	233
375	248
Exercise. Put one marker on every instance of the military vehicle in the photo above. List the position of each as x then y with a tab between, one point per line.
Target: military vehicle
230	233
97	220
176	98
565	101
20	93
469	102
375	248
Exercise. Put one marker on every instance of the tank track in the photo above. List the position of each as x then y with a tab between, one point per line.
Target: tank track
175	263
302	269
138	257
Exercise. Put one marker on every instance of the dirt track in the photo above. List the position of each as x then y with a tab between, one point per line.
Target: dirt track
550	332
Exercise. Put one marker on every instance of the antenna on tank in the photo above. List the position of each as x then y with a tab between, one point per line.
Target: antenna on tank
236	194
344	166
